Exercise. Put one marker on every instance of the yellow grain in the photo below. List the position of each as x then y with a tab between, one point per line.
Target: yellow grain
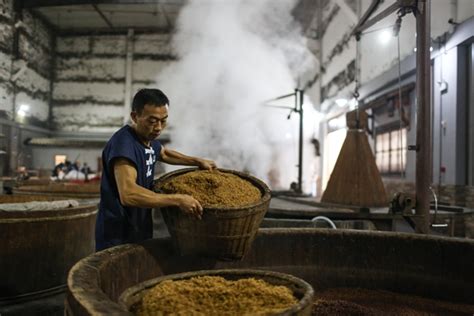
214	188
213	295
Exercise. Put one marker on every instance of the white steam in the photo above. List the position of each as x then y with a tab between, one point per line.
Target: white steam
232	57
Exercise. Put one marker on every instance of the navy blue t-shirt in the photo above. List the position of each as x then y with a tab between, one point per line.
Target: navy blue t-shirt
117	224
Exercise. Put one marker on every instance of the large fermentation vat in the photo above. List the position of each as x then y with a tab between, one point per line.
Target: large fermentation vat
39	247
435	267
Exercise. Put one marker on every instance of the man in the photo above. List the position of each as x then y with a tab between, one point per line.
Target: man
128	159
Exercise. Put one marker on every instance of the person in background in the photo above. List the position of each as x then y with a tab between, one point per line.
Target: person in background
58	171
129	157
67	167
22	173
85	168
86	171
76	165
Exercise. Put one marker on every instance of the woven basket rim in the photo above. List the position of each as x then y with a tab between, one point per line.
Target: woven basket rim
128	297
262	186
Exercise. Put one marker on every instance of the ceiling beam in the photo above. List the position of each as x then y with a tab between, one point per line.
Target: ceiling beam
165	15
365	23
372	8
114	31
40	16
102	15
347	10
28	4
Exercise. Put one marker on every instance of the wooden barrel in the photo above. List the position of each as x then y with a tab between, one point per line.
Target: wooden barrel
39	247
341	224
34	182
300	289
224	233
429	266
8	198
65	190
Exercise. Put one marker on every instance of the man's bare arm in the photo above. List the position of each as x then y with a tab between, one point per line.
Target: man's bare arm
173	157
134	195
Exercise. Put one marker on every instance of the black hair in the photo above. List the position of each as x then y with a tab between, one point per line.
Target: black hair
148	96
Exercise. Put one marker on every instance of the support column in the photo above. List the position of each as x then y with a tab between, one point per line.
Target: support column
423	132
128	76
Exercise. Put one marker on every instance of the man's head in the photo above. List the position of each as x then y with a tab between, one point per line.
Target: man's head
149	113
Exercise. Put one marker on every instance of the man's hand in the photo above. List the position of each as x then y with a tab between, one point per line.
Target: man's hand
189	205
206	164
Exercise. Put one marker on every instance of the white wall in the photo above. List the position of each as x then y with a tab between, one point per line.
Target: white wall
6	41
44	157
379	66
89	91
32	87
339	50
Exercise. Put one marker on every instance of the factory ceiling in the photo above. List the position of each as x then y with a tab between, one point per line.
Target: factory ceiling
79	16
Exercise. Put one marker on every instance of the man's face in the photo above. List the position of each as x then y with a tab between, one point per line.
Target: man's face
151	121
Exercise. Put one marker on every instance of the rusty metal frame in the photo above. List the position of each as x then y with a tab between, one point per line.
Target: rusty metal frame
423	92
373	6
365	23
423	124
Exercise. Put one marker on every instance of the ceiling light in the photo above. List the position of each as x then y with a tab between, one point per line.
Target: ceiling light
24	108
353	103
431	49
341	102
385	36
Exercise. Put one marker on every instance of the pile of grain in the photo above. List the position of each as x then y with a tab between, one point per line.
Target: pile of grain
351	301
212	295
214	188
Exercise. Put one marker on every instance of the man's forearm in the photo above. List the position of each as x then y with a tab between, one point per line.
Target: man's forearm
175	158
138	196
144	198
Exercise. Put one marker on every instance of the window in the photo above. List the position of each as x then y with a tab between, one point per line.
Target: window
331	153
59	159
392	115
390	151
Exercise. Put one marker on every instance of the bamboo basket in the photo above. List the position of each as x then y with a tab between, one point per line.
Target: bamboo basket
301	290
222	233
356	180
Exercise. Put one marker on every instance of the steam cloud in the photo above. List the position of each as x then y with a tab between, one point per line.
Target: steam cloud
233	56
